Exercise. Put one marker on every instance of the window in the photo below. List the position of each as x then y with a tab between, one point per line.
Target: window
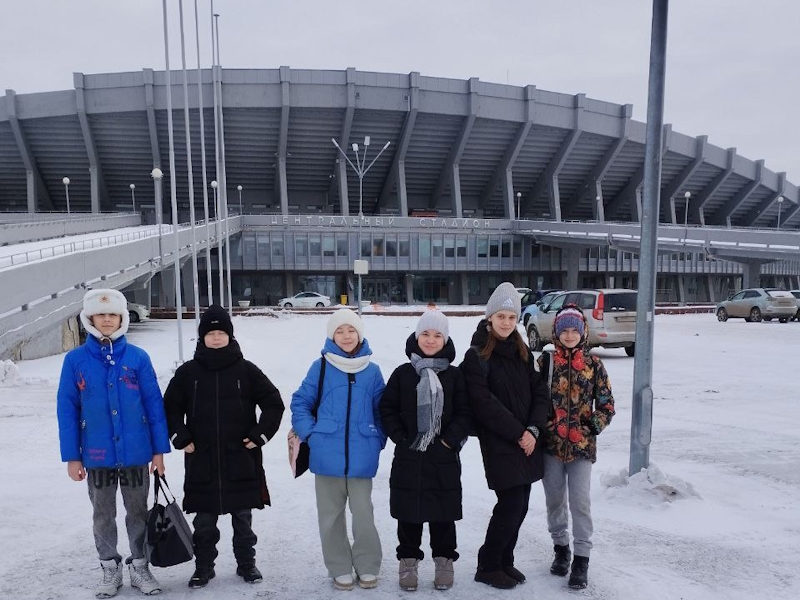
316	246
506	248
405	248
424	246
377	247
328	243
474	283
342	246
449	247
300	247
391	248
366	247
277	248
517	249
436	249
461	248
494	248
483	247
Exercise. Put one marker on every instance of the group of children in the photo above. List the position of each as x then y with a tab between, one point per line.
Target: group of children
531	424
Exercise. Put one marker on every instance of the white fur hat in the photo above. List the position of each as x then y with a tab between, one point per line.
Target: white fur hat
105	301
433	319
345	316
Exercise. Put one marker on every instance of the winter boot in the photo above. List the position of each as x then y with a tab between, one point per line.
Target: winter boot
497	579
142	578
367	581
560	564
112	579
249	573
344	582
408	574
579	577
514	573
443	576
201	577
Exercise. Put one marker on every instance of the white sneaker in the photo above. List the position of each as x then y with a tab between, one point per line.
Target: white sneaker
344	582
112	579
142	578
367	581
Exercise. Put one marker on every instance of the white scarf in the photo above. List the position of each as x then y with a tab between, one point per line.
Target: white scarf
353	364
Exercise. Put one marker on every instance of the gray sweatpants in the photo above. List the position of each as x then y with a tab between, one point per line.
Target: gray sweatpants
365	555
134	483
566	485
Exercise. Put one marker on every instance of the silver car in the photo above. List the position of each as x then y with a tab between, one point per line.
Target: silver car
758	304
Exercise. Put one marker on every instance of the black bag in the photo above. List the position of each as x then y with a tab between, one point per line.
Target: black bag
169	537
299	452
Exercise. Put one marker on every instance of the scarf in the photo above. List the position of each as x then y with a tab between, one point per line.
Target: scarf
430	399
354	364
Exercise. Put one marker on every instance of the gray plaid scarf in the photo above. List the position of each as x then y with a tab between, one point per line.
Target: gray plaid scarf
430	399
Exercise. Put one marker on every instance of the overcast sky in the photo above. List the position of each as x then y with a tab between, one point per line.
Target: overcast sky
733	66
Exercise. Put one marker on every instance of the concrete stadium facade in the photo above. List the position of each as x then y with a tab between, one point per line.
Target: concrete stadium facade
462	151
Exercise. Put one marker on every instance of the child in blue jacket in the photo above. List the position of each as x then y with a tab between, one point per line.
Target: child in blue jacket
111	426
345	437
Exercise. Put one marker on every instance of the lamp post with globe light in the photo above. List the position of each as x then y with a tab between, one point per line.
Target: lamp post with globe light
133	196
65	181
239	188
156	174
780	201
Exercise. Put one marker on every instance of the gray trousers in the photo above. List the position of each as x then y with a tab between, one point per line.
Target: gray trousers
134	483
365	555
567	485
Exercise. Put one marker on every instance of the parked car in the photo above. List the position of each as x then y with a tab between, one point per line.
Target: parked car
796	294
522	291
534	296
137	312
758	304
610	316
305	300
534	307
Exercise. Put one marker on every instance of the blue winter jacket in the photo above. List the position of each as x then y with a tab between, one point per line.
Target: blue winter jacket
110	409
346	437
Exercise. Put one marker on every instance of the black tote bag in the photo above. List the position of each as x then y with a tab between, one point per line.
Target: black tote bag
169	537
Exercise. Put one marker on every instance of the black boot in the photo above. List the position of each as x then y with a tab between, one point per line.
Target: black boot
579	578
560	564
497	579
201	577
249	573
514	573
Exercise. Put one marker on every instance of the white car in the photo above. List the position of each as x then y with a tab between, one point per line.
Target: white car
137	312
305	300
522	291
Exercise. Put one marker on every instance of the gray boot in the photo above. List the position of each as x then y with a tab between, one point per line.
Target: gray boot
142	578
408	574
443	578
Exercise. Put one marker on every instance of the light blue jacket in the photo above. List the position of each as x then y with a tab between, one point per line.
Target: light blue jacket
346	437
110	409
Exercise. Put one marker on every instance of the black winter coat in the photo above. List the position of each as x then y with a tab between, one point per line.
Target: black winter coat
505	401
211	402
425	486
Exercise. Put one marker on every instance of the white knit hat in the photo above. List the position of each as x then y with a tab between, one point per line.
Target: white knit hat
345	316
436	320
105	301
504	297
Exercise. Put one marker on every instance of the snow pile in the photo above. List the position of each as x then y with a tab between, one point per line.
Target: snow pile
9	372
649	482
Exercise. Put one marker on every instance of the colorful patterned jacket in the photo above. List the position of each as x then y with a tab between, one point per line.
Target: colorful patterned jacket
582	402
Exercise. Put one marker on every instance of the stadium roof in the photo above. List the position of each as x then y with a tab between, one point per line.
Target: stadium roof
570	157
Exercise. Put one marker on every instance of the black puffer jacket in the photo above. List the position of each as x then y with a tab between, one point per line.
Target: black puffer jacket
211	402
506	395
425	486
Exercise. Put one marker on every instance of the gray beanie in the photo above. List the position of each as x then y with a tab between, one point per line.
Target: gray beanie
435	320
504	297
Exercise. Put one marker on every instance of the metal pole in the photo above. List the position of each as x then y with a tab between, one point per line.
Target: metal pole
187	128
217	210
239	188
133	196
642	413
65	181
780	202
210	290
687	196
173	191
156	174
519	196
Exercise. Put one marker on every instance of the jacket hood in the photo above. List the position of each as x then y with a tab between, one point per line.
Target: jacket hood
448	351
330	346
583	343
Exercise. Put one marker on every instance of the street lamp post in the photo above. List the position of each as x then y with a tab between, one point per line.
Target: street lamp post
156	174
217	212
361	171
133	195
238	187
687	196
780	201
519	197
65	181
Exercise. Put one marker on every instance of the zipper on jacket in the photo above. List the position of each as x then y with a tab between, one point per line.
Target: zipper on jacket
351	379
569	405
194	399
219	445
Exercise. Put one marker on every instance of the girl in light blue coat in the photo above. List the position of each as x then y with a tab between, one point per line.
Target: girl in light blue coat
336	410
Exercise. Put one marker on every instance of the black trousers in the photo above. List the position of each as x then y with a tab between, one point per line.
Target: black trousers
443	539
206	536
501	535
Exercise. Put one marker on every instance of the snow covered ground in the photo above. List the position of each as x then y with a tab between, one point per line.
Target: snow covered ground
716	516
